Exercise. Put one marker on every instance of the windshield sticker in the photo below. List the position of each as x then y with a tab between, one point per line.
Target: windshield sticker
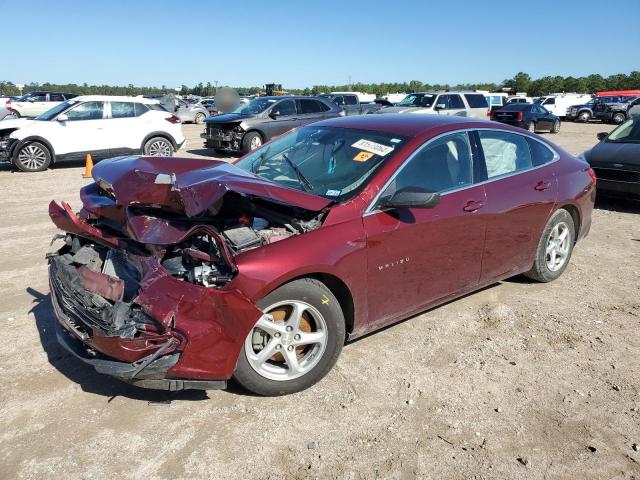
332	193
372	147
363	156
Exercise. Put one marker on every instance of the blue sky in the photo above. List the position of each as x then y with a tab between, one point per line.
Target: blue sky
301	43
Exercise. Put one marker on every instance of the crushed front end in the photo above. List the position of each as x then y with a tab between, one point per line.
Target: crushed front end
223	136
143	285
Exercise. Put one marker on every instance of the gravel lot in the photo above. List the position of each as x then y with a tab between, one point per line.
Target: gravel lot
519	381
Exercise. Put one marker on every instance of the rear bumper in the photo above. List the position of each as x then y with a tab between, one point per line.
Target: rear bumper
619	188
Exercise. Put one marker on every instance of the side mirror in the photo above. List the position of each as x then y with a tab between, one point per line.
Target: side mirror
441	106
602	135
62	117
274	115
410	197
31	99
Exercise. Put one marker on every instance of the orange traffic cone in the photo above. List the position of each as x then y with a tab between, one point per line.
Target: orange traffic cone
88	166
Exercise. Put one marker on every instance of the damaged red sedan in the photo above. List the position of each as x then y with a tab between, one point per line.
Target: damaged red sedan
184	273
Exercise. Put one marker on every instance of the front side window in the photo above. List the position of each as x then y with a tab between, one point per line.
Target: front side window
338	100
549	101
442	165
285	108
331	162
38	97
86	111
504	152
56	97
122	110
443	102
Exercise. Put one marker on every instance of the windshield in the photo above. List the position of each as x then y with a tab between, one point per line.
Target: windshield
417	100
327	161
52	113
255	107
628	132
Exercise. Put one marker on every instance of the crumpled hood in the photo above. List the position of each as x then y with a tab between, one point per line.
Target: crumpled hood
17	123
190	185
228	118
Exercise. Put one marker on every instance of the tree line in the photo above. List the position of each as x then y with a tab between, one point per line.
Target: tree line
521	82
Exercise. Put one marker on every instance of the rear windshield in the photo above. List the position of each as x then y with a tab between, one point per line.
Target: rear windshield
517	107
628	132
476	100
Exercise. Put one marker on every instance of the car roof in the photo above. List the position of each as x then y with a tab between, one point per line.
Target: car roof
115	98
407	124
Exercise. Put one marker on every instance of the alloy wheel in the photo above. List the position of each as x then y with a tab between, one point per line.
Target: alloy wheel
558	246
256	142
287	341
160	148
32	157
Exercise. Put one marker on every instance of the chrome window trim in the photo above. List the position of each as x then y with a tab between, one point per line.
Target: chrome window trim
556	156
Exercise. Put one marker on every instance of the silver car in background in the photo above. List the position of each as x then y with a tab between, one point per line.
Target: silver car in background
457	103
194	112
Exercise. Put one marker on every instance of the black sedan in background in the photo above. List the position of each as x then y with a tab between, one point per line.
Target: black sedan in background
616	160
530	116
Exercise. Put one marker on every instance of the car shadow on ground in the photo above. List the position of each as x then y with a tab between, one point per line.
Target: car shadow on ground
617	204
210	152
89	380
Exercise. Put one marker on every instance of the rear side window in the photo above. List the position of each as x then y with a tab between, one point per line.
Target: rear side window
39	97
86	111
140	109
476	100
540	154
504	152
309	106
455	102
442	165
122	110
350	100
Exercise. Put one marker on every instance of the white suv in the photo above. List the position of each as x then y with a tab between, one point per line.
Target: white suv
104	126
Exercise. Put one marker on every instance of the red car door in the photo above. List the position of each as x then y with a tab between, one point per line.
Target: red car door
416	256
521	190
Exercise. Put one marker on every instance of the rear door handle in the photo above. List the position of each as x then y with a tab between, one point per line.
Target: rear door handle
472	206
542	186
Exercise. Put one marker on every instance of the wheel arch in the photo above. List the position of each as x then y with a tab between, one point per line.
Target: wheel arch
575	216
336	285
164	135
32	138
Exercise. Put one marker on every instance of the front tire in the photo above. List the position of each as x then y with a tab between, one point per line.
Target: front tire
251	141
554	248
158	147
584	117
33	157
295	343
556	127
200	118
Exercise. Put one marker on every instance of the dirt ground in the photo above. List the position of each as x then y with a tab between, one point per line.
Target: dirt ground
517	381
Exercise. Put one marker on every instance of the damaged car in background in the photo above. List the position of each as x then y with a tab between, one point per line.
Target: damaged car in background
252	124
185	274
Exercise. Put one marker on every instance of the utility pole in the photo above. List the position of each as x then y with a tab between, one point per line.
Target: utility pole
216	82
349	82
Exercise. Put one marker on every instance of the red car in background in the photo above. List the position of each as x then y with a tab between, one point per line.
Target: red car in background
185	273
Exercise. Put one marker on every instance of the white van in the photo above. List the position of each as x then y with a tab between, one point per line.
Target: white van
560	104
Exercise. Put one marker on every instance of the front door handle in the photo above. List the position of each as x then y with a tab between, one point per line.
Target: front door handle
542	186
472	206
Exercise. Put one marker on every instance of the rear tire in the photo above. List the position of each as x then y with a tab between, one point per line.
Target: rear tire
554	248
290	367
251	141
618	118
158	147
32	157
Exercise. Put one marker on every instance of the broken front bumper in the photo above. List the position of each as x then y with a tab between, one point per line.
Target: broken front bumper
221	139
135	321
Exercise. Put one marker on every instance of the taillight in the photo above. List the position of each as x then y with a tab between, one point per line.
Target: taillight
490	114
8	105
592	174
173	119
519	116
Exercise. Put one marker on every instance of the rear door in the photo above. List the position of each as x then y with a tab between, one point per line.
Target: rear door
310	110
127	127
521	190
544	117
419	255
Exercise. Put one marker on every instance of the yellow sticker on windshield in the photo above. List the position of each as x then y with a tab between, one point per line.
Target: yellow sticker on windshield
363	156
